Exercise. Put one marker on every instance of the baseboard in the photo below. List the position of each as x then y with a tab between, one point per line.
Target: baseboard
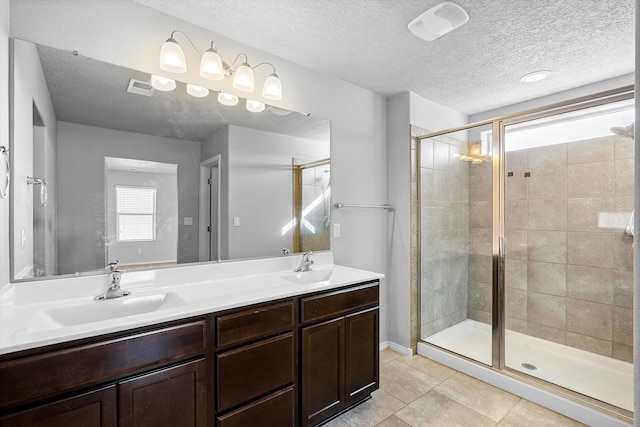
384	345
544	398
406	351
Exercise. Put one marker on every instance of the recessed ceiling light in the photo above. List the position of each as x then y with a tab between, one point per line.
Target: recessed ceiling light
536	76
438	21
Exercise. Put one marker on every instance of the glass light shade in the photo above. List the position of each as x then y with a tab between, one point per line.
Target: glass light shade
272	88
243	78
211	66
162	83
197	91
254	106
227	99
172	57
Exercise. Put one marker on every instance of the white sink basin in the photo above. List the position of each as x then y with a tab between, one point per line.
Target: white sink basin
96	311
309	277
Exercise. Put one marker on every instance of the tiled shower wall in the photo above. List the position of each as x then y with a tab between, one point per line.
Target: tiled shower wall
569	262
444	205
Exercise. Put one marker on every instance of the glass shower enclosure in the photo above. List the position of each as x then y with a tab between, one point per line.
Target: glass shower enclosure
525	260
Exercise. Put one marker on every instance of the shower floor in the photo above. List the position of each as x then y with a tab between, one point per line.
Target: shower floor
603	378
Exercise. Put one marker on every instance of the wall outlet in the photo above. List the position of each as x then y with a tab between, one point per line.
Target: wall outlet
236	221
139	250
336	230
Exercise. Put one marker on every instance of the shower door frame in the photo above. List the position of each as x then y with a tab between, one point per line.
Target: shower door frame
498	240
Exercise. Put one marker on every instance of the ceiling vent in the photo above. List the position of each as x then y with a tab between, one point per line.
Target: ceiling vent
438	21
140	88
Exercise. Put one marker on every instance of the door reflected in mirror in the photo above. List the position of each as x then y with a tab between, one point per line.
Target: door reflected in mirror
99	147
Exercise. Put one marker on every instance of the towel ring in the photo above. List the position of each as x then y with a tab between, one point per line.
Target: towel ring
5	154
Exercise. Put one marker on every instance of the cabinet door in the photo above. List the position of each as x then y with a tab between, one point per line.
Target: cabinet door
362	354
174	396
93	409
322	371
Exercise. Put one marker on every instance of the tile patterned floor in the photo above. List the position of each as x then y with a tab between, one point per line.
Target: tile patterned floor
417	392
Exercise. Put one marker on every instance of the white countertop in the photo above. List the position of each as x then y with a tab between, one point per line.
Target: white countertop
190	290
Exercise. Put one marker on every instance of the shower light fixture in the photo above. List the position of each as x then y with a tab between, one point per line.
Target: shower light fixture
212	67
535	76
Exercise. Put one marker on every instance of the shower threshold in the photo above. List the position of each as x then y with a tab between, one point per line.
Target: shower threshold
600	377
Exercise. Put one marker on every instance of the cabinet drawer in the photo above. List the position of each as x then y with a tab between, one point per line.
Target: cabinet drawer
276	409
254	370
35	377
339	302
253	323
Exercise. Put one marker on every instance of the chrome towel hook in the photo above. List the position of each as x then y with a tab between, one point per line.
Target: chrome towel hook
32	180
5	155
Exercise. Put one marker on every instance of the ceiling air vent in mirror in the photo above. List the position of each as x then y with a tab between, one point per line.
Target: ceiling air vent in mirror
140	88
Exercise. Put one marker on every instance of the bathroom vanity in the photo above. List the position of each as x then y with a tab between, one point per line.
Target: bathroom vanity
293	354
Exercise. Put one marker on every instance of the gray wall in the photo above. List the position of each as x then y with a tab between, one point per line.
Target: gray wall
260	176
31	219
81	153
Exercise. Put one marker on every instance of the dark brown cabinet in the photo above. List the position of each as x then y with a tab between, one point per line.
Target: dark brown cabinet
94	409
340	358
174	396
255	366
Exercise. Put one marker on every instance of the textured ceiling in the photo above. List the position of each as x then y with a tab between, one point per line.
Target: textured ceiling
76	82
472	69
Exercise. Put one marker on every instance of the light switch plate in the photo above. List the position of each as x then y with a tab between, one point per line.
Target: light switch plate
336	230
236	221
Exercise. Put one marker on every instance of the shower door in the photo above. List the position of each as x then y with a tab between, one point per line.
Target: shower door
456	232
568	199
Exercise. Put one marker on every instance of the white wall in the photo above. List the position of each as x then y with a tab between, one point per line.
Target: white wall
4	139
128	34
81	153
260	175
29	90
404	110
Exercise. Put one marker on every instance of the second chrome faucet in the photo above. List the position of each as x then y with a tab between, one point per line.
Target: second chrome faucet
305	264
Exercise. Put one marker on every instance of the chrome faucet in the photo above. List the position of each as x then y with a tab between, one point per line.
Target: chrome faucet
305	264
114	291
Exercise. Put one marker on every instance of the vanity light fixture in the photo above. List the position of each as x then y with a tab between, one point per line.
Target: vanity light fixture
212	67
162	83
197	91
227	99
254	106
535	76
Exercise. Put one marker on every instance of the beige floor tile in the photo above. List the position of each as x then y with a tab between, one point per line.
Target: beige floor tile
373	411
527	413
483	398
436	410
428	366
405	382
393	421
387	355
336	422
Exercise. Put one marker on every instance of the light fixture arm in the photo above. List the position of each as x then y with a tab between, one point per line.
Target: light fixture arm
246	59
265	63
188	39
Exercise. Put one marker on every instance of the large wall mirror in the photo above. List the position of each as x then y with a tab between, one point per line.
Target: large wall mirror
105	169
